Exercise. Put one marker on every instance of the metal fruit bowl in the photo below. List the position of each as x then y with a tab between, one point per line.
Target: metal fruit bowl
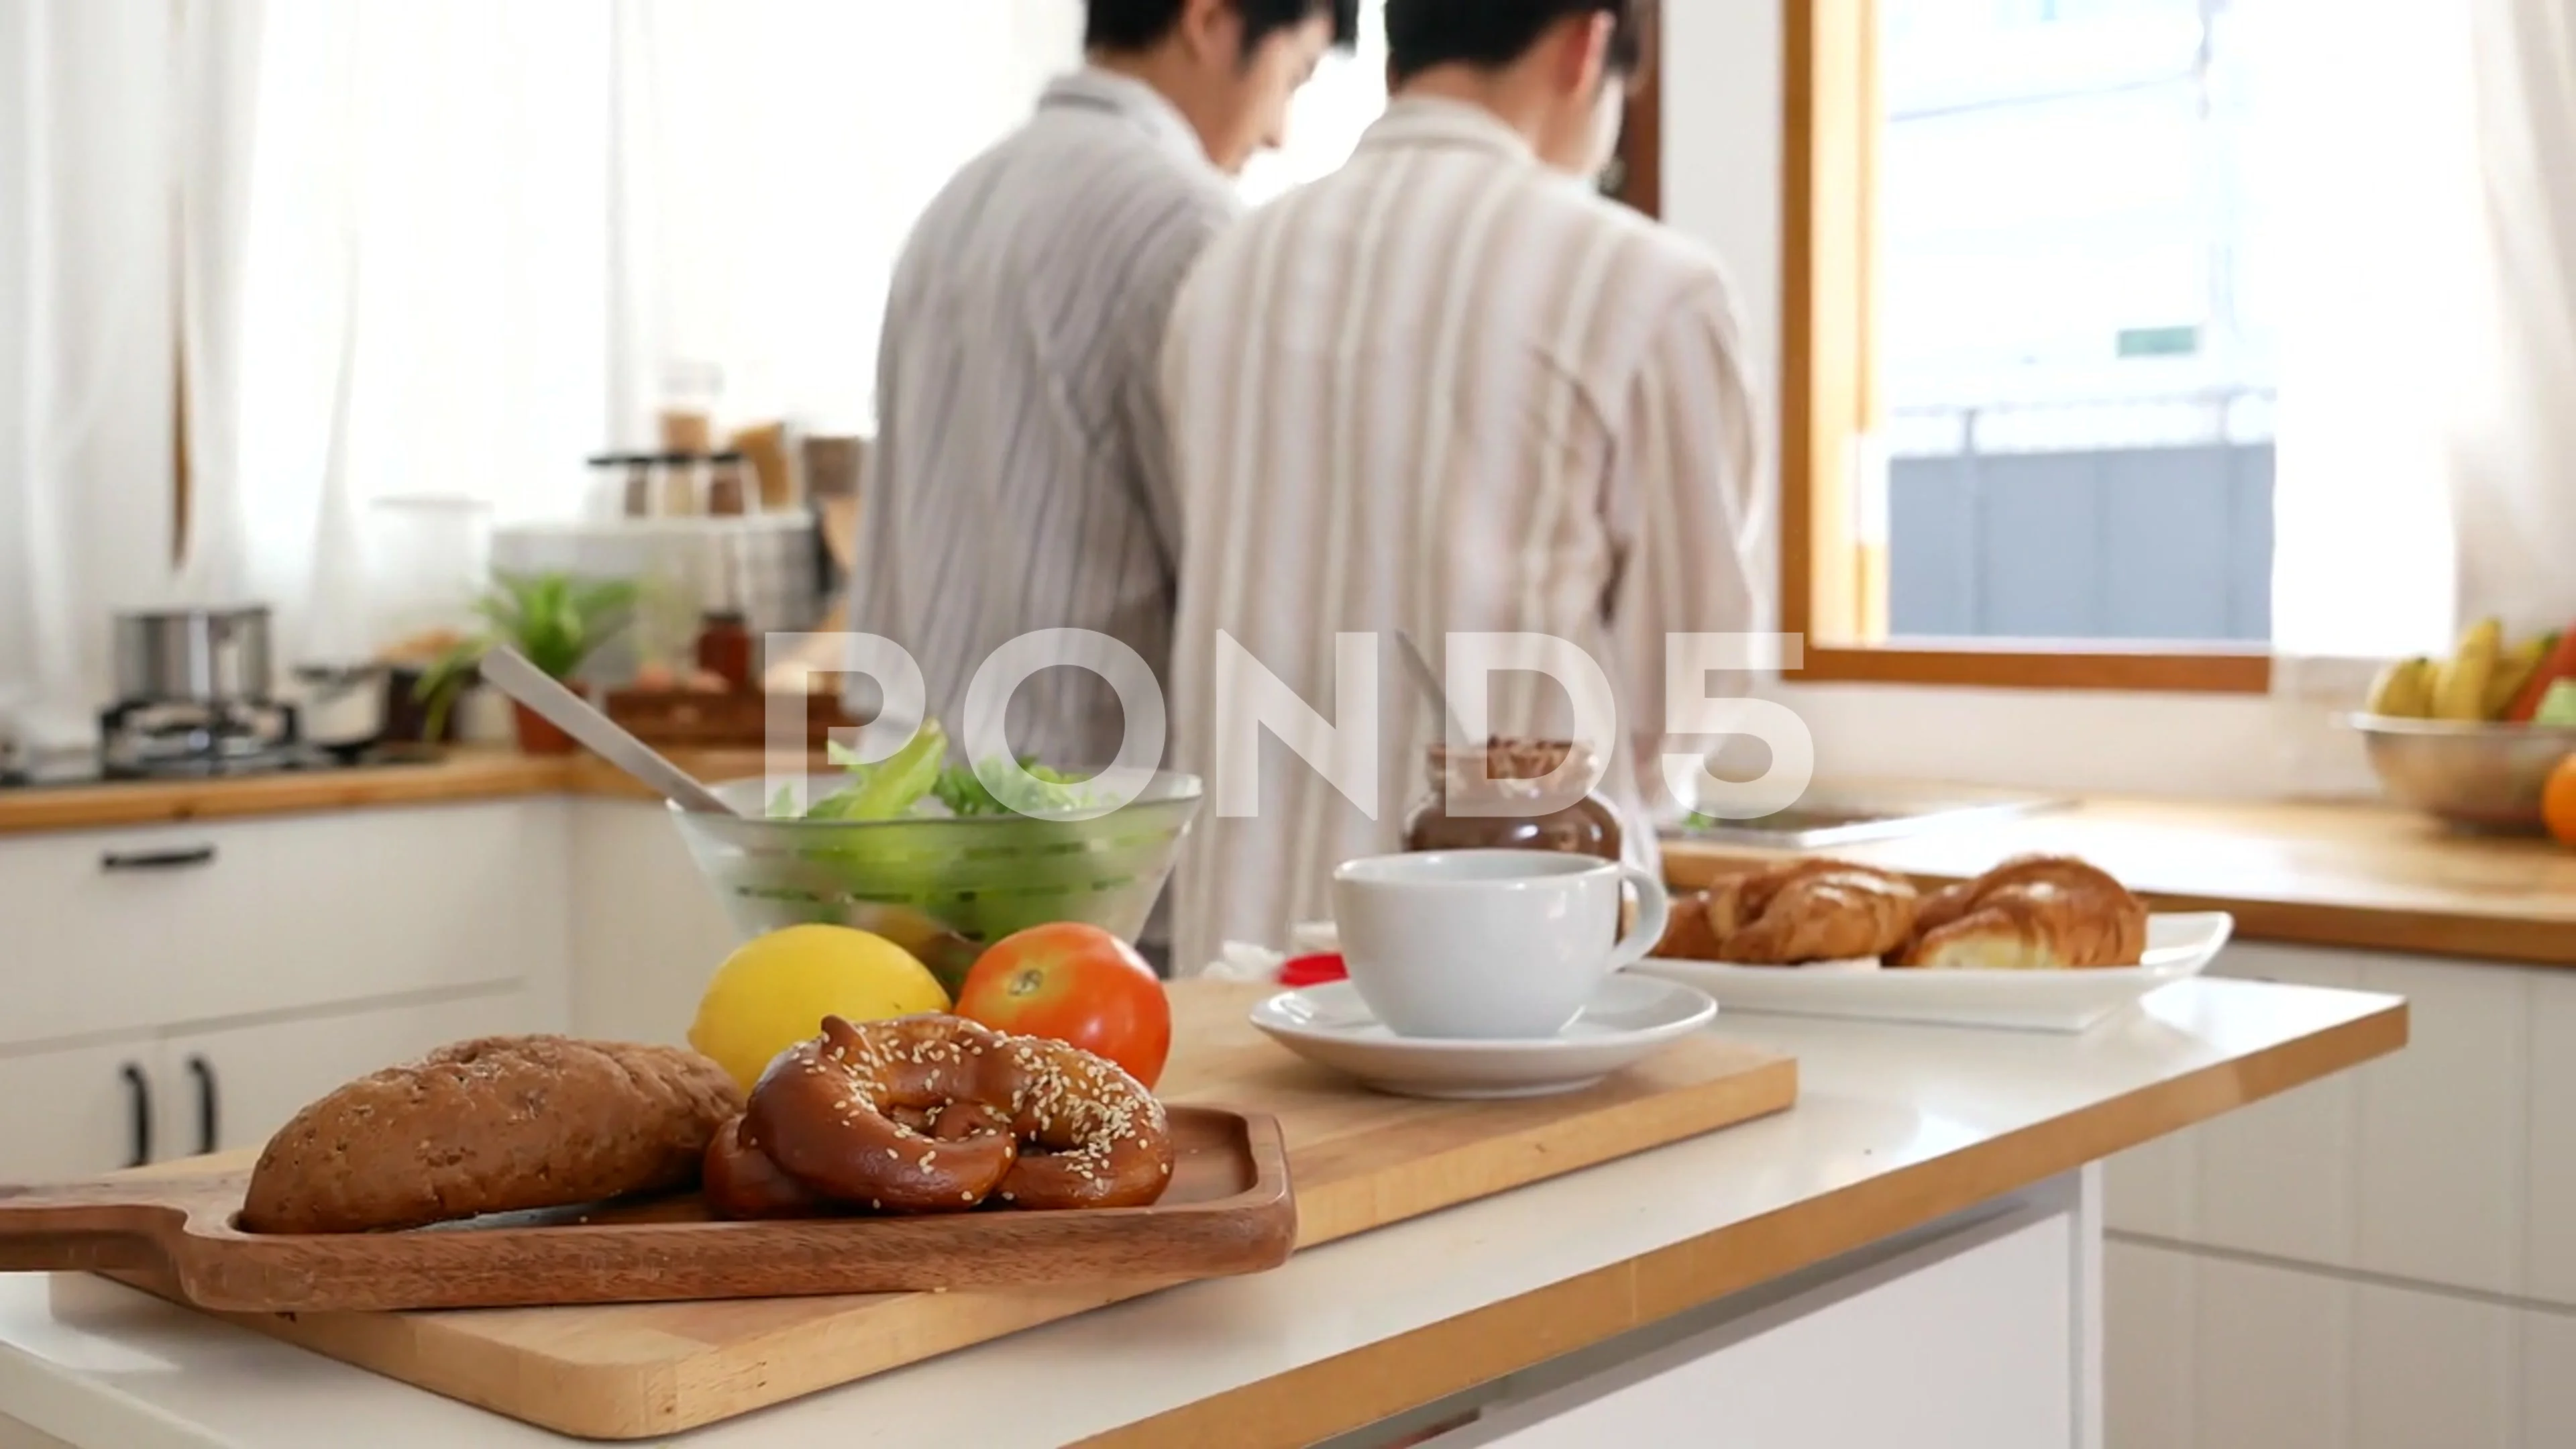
2476	776
942	887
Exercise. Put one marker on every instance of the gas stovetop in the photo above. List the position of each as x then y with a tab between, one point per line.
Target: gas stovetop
187	741
63	768
89	767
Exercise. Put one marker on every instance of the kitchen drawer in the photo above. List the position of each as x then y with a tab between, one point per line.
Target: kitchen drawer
256	1077
648	930
118	930
2223	1353
1969	1340
72	1113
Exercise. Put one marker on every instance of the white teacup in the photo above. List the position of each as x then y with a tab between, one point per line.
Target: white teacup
1487	944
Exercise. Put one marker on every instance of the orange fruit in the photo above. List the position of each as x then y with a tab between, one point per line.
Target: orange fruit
2558	801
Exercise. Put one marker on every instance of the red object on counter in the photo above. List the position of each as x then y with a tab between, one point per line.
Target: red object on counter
1313	971
724	649
539	735
2560	663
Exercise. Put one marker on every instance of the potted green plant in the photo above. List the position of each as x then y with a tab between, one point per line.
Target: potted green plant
556	620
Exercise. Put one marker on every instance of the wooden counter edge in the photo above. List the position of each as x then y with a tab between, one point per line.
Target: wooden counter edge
475	775
2409	930
493	776
466	776
1363	1386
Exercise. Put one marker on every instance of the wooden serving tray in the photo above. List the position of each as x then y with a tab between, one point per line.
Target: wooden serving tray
1227	1211
1358	1160
687	719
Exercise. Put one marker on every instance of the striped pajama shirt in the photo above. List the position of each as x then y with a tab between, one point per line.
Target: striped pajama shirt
1020	476
1445	389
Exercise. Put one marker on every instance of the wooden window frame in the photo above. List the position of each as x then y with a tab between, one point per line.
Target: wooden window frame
1833	582
1641	142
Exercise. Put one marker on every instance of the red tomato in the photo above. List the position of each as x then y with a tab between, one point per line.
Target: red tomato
1078	984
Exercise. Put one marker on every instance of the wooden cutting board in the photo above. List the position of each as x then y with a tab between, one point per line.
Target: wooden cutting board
1357	1160
1226	1209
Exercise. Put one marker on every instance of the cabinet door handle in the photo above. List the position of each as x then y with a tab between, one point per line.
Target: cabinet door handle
138	1093
204	1072
179	859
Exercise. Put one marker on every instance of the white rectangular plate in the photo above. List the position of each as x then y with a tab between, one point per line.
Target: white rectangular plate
2179	946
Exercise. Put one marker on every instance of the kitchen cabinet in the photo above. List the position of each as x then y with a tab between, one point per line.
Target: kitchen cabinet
132	930
2008	1367
2384	1258
592	907
648	929
81	1111
2271	1358
2436	1368
2445	1164
73	1112
2214	1353
2548	1385
2147	1304
252	965
255	1077
2550	1258
2283	1178
2445	1137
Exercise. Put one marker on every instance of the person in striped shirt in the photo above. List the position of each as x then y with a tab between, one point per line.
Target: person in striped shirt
1449	388
1020	477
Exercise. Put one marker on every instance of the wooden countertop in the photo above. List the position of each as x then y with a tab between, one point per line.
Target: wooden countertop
2365	876
459	775
1896	1128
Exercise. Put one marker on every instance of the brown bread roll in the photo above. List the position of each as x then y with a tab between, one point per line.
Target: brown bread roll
500	1124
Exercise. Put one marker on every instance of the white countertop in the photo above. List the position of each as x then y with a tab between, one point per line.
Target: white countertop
95	1364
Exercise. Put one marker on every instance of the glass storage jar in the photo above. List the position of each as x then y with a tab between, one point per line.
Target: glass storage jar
1499	797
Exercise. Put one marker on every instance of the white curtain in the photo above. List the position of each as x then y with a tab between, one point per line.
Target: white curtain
87	366
2513	447
771	156
416	305
444	251
392	224
2421	165
1329	115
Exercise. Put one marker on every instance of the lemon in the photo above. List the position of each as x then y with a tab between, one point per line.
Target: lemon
774	992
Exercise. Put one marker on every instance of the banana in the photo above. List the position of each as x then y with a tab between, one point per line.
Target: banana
2404	690
2460	684
2513	670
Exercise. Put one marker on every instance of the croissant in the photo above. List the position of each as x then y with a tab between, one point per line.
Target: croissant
1808	910
1688	933
2038	913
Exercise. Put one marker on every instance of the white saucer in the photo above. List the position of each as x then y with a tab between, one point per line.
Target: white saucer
1629	1019
2178	946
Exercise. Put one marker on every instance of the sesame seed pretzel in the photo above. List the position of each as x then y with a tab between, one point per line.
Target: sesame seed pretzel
939	1114
740	1181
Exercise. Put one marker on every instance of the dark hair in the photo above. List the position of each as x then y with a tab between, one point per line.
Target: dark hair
1140	24
1490	34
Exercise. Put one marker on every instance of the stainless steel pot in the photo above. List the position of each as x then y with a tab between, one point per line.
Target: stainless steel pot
194	656
13	750
343	707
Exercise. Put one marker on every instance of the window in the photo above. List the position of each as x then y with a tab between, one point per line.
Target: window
2031	366
1329	115
1349	91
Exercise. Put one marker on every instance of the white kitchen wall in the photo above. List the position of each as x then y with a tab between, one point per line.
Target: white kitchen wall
1723	99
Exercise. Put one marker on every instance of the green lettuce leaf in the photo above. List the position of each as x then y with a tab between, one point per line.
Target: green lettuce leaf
889	789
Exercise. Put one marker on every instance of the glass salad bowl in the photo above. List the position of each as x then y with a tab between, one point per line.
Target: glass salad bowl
942	887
